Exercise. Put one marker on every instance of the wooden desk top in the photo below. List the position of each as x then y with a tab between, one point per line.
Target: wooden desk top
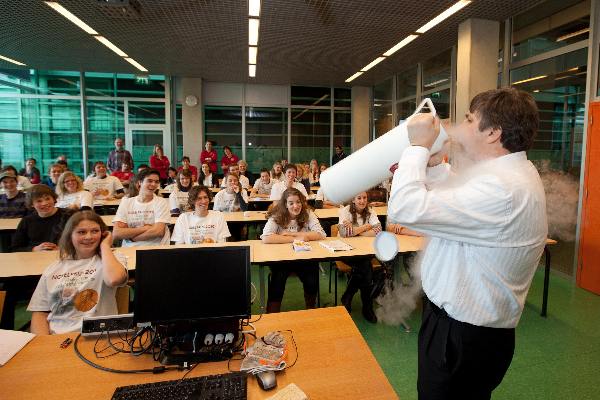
331	213
334	362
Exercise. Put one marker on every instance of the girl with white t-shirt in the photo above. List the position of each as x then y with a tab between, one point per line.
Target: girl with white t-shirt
207	178
357	219
82	282
103	186
71	193
277	174
289	220
201	225
262	186
232	198
178	199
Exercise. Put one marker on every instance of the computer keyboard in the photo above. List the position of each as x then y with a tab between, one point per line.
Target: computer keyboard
230	386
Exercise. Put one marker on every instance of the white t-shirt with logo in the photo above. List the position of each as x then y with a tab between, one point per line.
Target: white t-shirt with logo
135	214
192	229
312	225
227	202
110	185
345	215
72	289
244	181
263	188
83	198
280	187
178	200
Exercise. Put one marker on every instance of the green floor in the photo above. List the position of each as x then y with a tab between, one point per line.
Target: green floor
555	358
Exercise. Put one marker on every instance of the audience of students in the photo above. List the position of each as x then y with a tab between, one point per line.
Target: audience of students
233	197
82	282
31	172
143	219
103	186
12	201
178	199
290	219
290	181
200	225
71	193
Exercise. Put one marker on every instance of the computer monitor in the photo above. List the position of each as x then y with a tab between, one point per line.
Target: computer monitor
192	284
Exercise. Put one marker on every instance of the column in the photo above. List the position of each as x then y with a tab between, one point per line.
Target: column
361	105
192	121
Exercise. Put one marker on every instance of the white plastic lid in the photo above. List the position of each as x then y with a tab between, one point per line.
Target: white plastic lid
386	246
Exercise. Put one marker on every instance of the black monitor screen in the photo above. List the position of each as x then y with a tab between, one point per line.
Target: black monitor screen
192	283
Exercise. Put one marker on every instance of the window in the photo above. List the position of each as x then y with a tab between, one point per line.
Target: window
382	107
106	122
124	85
342	97
342	131
310	136
223	126
179	133
266	137
437	72
311	96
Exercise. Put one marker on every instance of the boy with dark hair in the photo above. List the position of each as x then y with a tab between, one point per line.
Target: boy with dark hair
12	201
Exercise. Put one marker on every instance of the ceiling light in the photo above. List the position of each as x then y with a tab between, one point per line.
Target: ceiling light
252	54
353	77
372	64
11	60
254	8
535	78
252	71
253	32
536	91
400	45
446	14
572	34
67	14
111	46
436	82
136	64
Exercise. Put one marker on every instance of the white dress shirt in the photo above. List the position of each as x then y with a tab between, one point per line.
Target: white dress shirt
487	230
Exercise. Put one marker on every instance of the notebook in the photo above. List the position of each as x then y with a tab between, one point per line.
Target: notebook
336	245
11	342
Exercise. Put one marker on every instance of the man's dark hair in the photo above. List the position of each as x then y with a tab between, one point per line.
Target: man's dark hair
185	158
264	170
145	172
38	191
514	111
290	166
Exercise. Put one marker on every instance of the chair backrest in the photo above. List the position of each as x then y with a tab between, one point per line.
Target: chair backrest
334	230
122	296
2	297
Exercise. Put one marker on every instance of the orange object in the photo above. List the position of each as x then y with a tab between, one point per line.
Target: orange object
588	264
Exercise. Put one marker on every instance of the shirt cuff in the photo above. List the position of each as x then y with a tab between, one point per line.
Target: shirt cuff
416	156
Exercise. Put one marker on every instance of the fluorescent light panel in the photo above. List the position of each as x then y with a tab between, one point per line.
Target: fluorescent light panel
353	77
372	64
400	45
10	60
535	78
572	34
136	64
252	71
71	17
253	25
444	15
252	54
254	8
111	46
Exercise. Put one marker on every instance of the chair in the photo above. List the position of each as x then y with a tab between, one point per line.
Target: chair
2	297
122	296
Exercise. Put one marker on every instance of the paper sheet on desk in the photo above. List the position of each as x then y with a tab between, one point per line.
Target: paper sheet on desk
11	342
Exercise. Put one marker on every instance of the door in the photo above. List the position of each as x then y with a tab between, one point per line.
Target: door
588	268
142	139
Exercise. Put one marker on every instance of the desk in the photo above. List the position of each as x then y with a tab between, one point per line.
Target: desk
334	362
234	217
334	213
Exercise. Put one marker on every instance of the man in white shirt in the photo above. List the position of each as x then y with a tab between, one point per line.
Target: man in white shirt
290	181
487	228
142	220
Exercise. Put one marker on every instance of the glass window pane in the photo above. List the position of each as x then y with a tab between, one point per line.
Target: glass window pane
310	135
106	122
223	126
266	137
342	97
143	144
39	82
548	26
146	112
441	102
179	133
437	71
407	83
311	96
404	109
342	132
124	85
382	107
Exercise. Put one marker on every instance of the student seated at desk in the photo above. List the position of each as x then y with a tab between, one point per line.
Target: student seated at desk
71	193
201	225
358	219
82	282
235	169
12	201
142	220
23	183
289	182
233	197
54	173
321	201
178	199
289	220
124	175
41	230
277	174
207	177
262	186
103	186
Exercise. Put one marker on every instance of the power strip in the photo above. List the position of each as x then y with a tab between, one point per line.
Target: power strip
93	326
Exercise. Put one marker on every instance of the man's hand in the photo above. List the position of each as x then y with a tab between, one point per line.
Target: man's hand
423	130
45	246
440	156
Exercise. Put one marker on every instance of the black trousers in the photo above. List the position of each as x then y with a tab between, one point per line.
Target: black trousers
307	272
458	360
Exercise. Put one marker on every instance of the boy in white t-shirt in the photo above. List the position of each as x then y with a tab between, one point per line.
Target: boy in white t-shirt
103	186
290	181
143	220
201	225
233	198
262	186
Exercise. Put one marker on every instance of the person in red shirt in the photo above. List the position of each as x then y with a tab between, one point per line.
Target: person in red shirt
209	156
125	175
160	162
228	159
185	164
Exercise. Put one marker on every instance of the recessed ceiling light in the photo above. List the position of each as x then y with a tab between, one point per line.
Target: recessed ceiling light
400	45
252	71
68	15
111	46
253	31
372	64
254	8
535	78
444	15
11	60
353	77
252	54
135	64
